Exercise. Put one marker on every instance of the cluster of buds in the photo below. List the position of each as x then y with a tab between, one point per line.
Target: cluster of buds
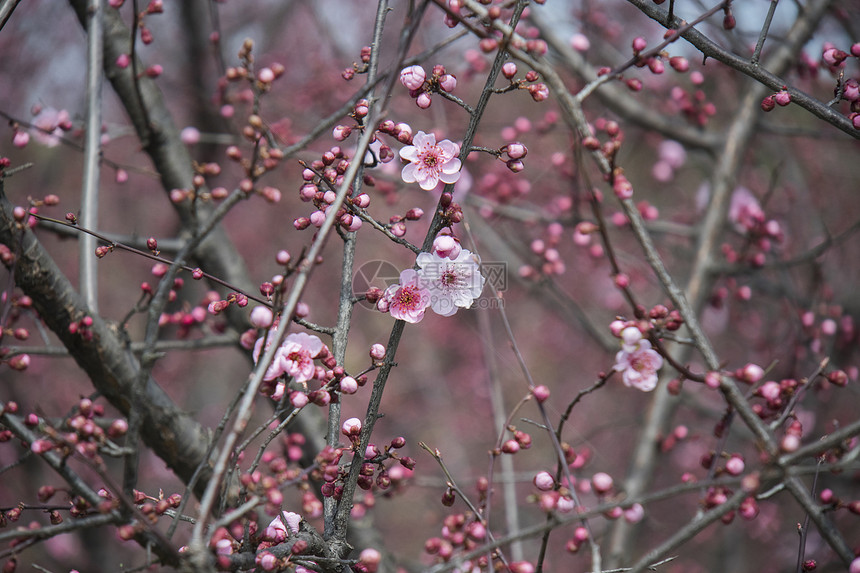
268	486
83	432
546	248
500	185
82	328
654	62
321	178
421	86
781	98
609	148
460	532
694	105
154	7
516	152
19	306
216	307
835	327
357	68
520	441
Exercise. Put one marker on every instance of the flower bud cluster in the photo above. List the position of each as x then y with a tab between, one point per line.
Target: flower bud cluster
321	180
358	68
421	86
85	432
835	328
461	532
693	105
549	261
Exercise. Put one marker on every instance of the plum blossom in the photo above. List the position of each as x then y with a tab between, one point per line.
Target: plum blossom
294	357
297	358
274	370
637	361
49	125
284	525
452	283
430	162
406	300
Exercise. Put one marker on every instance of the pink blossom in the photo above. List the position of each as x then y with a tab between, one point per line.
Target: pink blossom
50	124
297	358
407	300
430	162
275	369
413	77
637	361
744	210
453	283
287	519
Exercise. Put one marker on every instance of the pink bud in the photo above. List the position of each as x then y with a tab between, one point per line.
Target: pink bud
639	44
351	427
782	98
413	77
41	446
541	393
20	362
348	385
539	92
423	100
509	70
601	482
510	447
735	465
516	150
377	352
448	82
544	481
622	187
834	57
580	42
123	61
634	513
190	135
261	317
20	139
266	76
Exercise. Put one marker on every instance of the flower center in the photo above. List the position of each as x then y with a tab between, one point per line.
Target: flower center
430	160
449	277
408	297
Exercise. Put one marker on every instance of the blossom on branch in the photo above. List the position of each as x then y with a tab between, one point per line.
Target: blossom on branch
637	361
406	300
297	358
452	283
430	162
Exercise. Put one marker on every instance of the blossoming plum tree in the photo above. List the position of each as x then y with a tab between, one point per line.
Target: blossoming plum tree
633	221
